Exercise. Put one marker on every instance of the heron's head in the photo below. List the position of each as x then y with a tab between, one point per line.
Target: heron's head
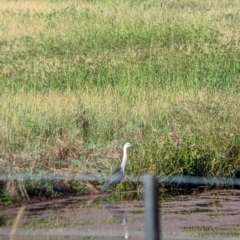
127	145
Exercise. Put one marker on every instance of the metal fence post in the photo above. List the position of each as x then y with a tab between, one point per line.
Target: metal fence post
151	208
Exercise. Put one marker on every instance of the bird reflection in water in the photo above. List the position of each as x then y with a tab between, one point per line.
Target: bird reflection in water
118	214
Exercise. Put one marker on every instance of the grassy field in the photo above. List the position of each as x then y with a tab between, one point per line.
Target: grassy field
78	79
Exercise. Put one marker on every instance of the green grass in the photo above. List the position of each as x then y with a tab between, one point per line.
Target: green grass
126	44
5	200
80	79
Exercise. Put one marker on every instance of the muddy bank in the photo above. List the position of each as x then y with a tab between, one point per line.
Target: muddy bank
207	215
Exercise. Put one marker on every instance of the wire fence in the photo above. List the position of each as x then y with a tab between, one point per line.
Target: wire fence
175	180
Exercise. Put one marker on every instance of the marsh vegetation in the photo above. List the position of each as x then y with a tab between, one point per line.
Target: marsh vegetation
80	78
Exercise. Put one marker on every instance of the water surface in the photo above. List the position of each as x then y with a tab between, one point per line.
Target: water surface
207	215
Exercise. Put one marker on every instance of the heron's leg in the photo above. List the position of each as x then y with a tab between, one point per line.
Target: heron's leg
120	190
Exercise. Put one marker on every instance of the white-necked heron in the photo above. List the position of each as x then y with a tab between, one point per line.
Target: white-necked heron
119	173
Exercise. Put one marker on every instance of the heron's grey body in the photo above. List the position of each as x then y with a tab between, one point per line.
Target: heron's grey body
114	179
118	175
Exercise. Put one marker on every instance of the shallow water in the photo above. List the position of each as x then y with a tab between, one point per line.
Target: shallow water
208	215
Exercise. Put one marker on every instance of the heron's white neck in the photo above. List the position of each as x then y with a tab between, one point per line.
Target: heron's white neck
124	159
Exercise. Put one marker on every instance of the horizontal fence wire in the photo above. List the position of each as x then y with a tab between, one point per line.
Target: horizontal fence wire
175	180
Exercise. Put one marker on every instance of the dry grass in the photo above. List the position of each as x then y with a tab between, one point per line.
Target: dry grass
16	223
224	15
116	108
